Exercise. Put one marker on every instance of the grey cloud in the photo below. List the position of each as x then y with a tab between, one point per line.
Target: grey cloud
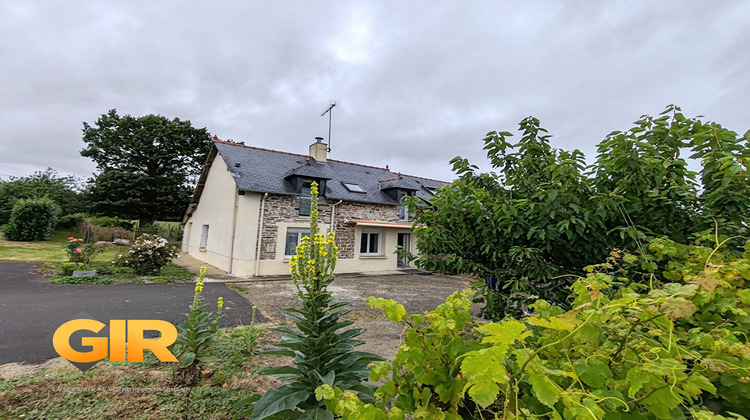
418	82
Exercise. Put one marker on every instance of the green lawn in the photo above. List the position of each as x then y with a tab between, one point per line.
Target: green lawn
51	250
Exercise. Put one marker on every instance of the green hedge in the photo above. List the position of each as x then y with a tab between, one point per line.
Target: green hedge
32	219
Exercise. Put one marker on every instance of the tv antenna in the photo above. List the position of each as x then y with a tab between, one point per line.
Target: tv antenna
329	111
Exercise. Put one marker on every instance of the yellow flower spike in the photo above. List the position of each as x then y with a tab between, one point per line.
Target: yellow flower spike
220	303
203	270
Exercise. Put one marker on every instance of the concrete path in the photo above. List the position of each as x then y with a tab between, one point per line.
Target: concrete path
32	308
213	274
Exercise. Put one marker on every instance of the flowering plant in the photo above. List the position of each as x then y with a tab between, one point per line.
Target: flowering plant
197	334
81	253
148	254
323	354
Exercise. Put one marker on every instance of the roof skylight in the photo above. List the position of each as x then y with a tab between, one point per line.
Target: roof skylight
353	188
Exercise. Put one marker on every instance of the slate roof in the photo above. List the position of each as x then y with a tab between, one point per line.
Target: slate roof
268	171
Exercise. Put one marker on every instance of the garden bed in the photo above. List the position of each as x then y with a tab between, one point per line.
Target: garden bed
107	273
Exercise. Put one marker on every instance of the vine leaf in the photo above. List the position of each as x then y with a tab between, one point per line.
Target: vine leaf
697	383
678	307
594	374
551	323
637	378
484	392
506	332
393	310
706	282
483	370
744	296
546	391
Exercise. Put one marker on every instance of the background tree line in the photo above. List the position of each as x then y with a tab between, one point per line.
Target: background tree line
147	167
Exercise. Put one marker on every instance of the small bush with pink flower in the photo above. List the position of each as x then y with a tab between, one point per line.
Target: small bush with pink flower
147	255
81	253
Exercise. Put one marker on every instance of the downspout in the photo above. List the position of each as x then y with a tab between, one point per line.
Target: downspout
333	216
234	230
260	232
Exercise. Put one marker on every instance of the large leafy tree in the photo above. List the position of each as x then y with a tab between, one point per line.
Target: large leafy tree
530	221
541	214
63	190
147	165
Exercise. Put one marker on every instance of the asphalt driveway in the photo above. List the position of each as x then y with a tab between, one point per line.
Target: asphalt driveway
31	308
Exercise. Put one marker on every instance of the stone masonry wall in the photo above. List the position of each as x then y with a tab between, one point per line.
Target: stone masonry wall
285	208
349	210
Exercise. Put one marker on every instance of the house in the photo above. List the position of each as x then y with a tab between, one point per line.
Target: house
251	208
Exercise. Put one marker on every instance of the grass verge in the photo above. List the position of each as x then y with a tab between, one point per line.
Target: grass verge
144	390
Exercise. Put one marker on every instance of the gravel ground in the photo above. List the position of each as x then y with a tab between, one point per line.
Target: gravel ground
418	293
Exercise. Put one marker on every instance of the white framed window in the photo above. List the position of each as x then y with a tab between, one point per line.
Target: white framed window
294	238
370	243
204	236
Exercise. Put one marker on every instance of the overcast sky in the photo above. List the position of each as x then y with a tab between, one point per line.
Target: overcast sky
417	82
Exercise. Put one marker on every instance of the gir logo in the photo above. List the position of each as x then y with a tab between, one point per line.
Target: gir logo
85	341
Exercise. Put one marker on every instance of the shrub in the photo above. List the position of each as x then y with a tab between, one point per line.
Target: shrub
81	280
32	219
113	222
68	268
81	253
69	221
65	191
95	233
148	254
169	230
106	228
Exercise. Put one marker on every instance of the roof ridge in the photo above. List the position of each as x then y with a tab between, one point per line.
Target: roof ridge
428	179
258	148
359	164
216	140
392	179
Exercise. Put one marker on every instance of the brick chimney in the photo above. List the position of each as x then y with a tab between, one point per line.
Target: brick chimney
319	150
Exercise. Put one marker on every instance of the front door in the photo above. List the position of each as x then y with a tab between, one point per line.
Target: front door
404	240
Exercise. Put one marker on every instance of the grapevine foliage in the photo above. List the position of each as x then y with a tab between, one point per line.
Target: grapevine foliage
675	347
